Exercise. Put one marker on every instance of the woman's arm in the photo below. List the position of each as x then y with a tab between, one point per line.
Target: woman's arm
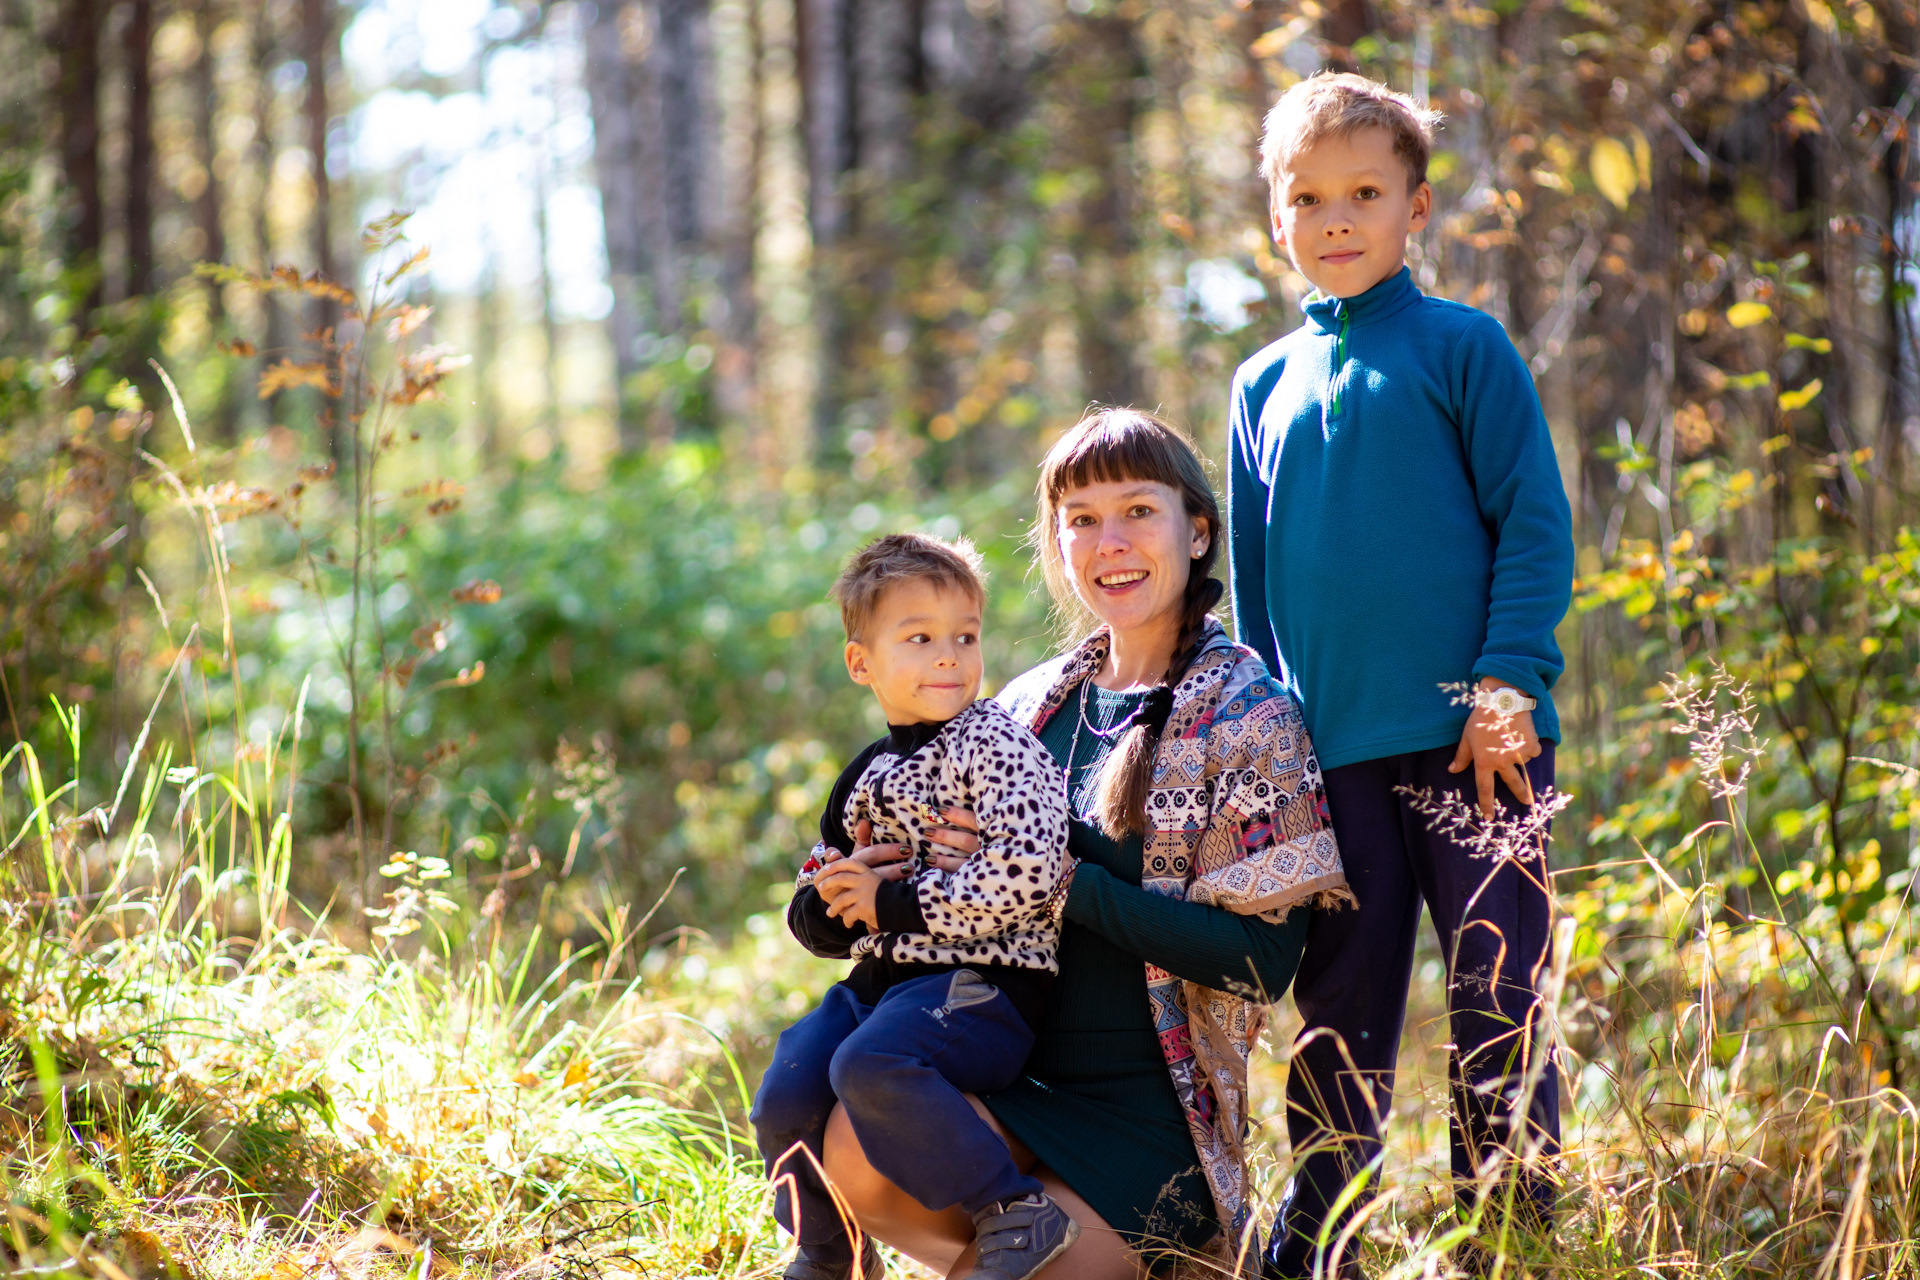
1208	945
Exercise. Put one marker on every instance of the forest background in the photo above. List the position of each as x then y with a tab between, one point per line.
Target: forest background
418	684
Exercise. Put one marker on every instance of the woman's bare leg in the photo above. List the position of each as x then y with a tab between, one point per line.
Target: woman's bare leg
932	1237
943	1239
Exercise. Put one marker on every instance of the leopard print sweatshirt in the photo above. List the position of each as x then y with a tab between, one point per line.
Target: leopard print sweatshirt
991	912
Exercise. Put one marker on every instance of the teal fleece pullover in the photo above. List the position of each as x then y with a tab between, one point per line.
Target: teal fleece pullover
1396	519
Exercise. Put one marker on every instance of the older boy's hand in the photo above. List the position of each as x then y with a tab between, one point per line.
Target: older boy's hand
849	887
1497	746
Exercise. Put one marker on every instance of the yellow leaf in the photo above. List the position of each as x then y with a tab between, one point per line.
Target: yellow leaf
1820	14
577	1074
1744	315
525	1079
1613	171
287	374
420	256
1791	400
1642	157
408	319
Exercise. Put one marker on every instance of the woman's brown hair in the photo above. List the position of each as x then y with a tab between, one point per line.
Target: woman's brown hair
1111	445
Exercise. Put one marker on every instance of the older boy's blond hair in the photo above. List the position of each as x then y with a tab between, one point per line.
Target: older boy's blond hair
1335	106
898	558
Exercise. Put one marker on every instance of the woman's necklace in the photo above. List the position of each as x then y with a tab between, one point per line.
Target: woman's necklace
1105	731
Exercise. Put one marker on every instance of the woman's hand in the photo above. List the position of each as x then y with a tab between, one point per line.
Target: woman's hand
887	859
961	832
849	886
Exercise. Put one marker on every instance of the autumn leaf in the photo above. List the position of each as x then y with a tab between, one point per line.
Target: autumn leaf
479	591
318	286
525	1079
243	501
409	319
431	637
577	1074
419	257
288	374
1800	399
384	232
1614	172
1745	315
239	347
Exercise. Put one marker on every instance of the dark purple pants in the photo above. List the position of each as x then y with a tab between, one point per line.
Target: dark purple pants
1491	919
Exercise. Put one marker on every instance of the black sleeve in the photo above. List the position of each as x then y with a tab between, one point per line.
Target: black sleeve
1203	944
807	917
818	932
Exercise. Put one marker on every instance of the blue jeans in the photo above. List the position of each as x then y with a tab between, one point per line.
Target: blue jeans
901	1069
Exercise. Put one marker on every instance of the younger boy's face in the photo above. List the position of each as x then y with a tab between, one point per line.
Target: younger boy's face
921	653
1344	207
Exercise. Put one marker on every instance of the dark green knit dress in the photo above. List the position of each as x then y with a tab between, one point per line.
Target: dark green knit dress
1096	1104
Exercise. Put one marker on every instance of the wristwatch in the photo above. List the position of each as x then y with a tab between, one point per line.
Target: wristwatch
1504	700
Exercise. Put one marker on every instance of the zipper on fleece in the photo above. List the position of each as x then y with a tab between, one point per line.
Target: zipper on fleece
1335	383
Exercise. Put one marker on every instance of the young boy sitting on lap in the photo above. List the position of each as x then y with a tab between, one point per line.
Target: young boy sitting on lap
955	955
1397	522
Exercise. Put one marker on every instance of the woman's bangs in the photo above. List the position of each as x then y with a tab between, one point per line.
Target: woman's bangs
1123	447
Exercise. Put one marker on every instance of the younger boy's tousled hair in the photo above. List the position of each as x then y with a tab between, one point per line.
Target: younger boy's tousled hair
903	557
1329	105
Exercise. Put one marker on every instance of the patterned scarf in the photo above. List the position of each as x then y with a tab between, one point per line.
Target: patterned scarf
1236	819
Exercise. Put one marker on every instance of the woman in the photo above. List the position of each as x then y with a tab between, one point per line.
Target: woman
1178	926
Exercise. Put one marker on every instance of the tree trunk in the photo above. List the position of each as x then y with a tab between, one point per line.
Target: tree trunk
316	46
832	146
681	74
650	89
206	204
1107	53
138	49
615	45
736	367
274	341
76	41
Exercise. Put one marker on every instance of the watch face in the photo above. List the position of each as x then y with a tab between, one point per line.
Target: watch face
1506	702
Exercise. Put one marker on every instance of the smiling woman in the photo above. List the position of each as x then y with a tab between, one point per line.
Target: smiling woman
1186	905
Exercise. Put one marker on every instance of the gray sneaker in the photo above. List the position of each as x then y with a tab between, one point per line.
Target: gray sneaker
804	1268
1018	1237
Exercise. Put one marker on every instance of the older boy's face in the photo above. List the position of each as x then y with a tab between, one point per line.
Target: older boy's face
1344	208
921	653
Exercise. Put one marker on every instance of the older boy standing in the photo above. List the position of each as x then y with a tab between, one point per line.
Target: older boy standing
1397	522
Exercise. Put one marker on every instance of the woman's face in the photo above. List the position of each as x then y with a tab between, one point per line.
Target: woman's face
1129	547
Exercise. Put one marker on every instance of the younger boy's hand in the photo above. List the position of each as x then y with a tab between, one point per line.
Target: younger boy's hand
890	860
849	887
1497	746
